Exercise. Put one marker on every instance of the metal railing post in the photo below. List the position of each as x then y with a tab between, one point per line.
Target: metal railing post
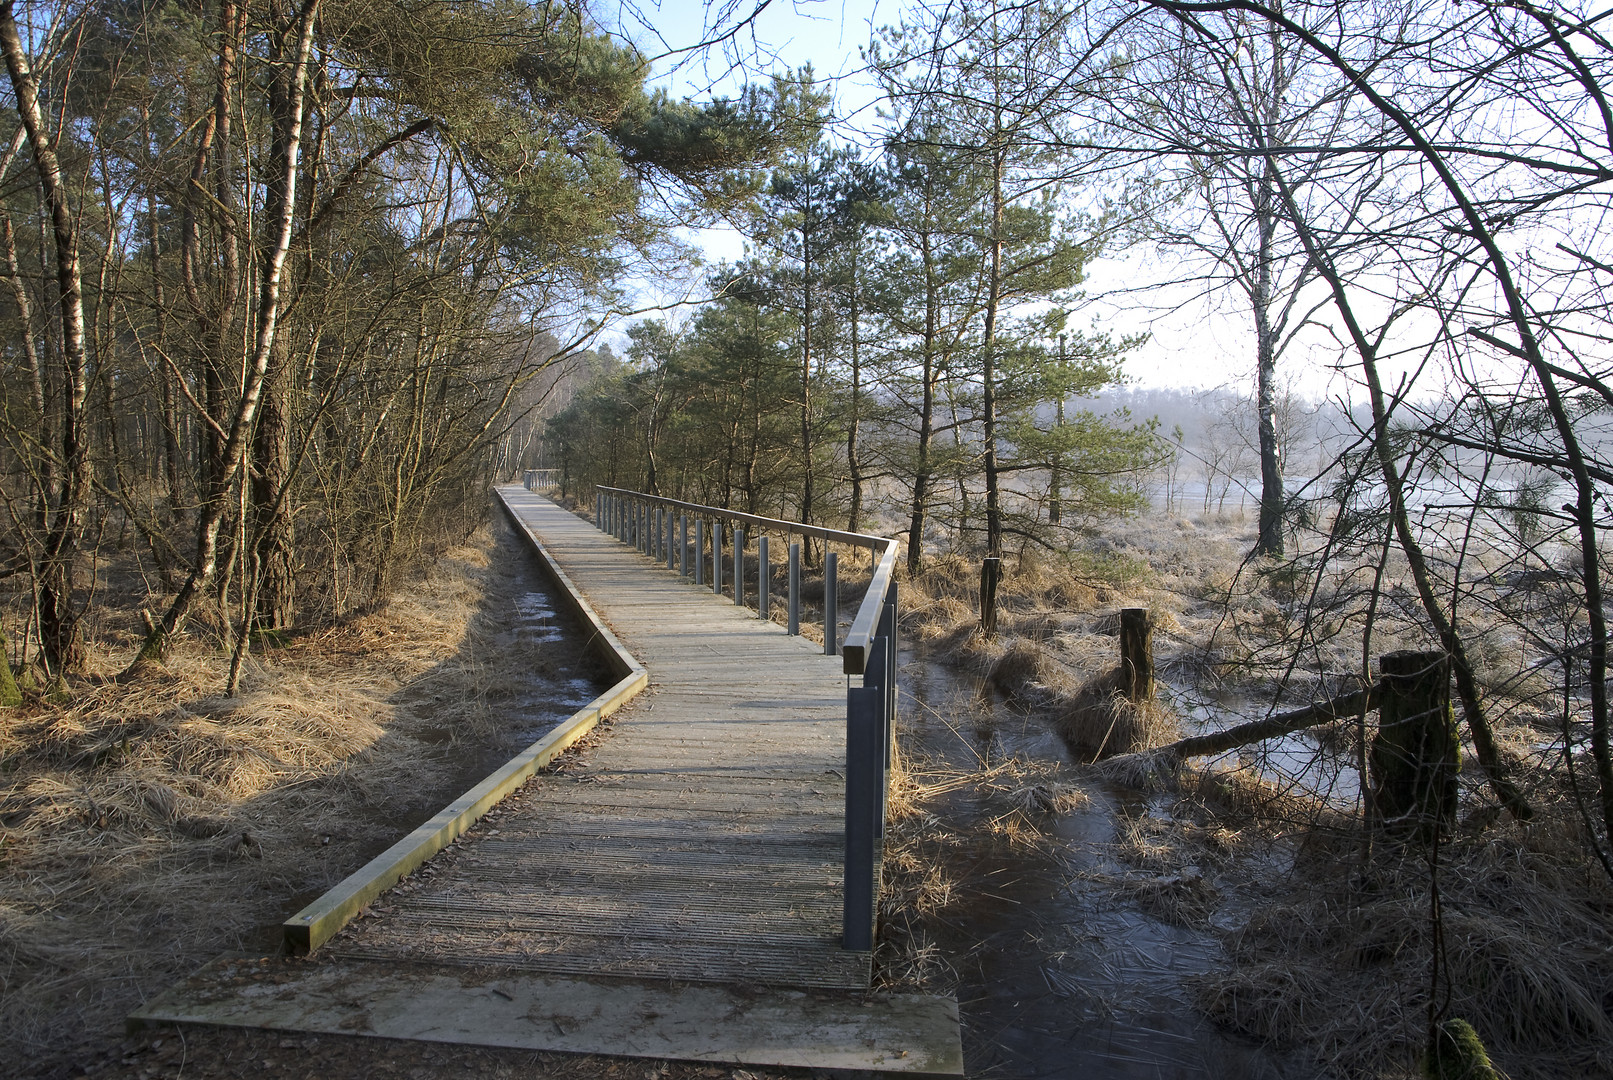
739	566
764	571
683	545
716	557
700	551
794	626
671	541
863	790
831	614
887	630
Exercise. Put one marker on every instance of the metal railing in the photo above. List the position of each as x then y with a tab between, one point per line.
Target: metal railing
660	528
540	479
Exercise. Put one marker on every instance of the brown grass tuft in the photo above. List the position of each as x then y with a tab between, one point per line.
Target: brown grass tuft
1102	721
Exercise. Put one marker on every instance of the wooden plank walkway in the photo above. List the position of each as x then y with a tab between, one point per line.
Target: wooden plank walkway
701	840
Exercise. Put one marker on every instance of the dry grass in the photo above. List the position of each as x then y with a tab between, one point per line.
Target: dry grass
1101	720
1010	806
1341	964
1055	628
1334	952
144	827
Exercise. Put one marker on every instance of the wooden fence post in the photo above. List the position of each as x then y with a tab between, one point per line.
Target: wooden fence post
1415	753
1137	653
991	572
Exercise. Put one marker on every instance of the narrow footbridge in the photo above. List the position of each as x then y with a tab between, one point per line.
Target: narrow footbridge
712	837
722	832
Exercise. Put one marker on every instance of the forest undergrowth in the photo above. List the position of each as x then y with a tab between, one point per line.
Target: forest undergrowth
1340	946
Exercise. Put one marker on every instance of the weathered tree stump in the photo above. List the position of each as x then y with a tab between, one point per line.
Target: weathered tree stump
991	572
1136	654
1415	753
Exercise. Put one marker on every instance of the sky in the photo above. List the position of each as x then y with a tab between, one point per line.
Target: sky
1191	345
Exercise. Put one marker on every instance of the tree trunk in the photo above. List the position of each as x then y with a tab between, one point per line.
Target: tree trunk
1269	540
280	206
994	513
274	530
58	621
853	465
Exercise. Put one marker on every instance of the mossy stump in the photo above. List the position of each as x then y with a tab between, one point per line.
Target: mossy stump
1415	753
1457	1053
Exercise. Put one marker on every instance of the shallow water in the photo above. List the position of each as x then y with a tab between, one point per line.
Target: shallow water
572	680
1056	976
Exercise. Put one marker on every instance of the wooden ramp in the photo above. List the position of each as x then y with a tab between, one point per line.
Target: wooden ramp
701	840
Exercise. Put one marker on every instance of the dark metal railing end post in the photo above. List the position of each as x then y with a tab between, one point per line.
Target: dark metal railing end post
700	551
716	557
831	610
794	626
863	788
764	574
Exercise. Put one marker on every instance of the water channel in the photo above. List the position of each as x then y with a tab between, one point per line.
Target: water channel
1056	976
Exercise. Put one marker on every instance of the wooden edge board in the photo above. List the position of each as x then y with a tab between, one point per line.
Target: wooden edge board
890	1034
319	921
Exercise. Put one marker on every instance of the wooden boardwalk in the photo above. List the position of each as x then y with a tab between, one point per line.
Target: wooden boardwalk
700	840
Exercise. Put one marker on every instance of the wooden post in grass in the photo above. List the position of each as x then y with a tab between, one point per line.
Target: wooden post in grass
1136	654
1415	753
991	572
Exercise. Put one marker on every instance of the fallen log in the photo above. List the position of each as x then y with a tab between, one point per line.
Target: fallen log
1169	758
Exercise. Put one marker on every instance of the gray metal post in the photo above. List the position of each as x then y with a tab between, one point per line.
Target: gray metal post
831	611
739	566
764	572
671	540
716	557
893	657
683	545
863	789
700	551
794	625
